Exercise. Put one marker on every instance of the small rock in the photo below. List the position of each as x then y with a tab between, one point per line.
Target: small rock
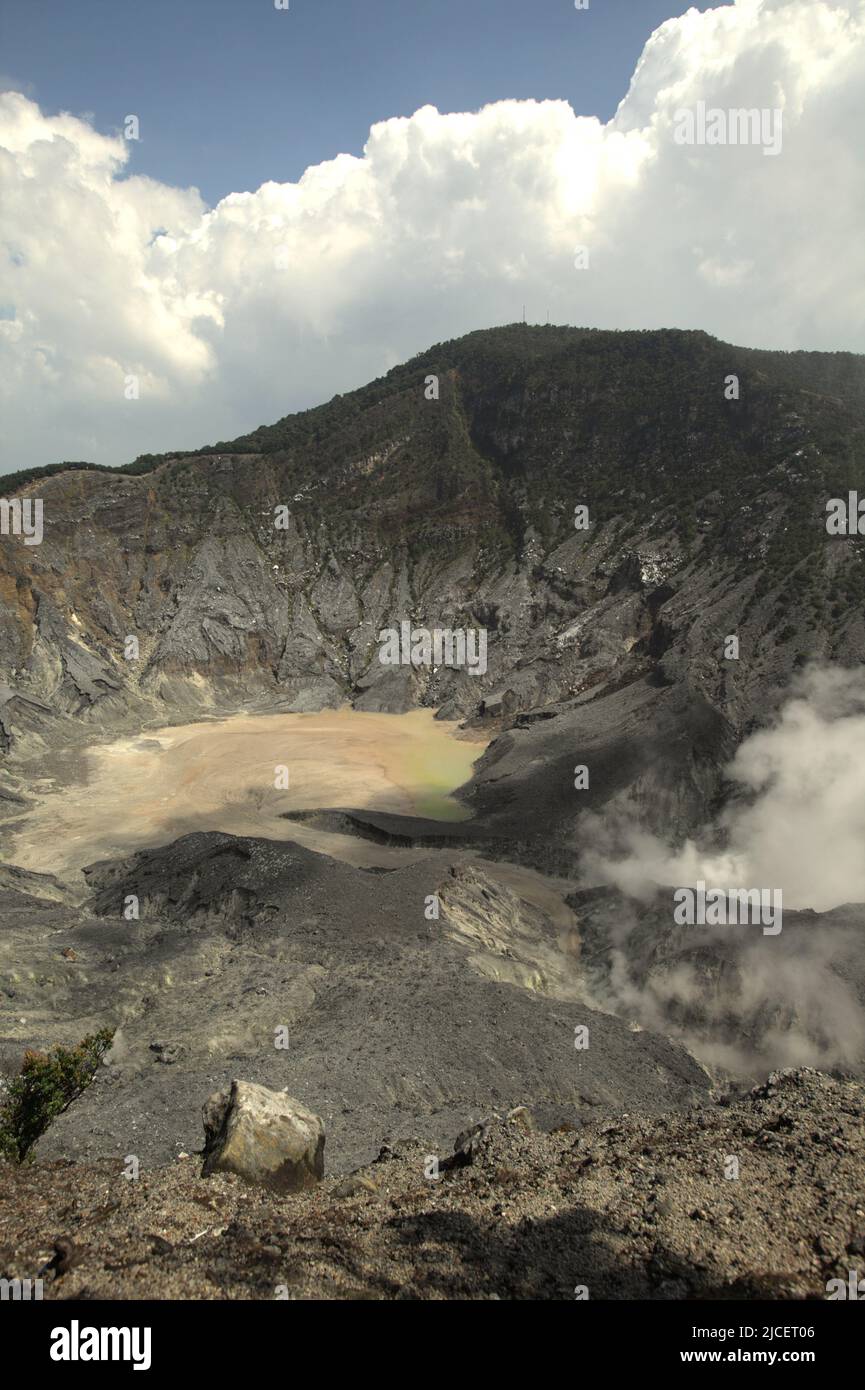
66	1256
521	1115
264	1136
354	1186
469	1144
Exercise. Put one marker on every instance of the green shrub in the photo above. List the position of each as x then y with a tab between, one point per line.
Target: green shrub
47	1085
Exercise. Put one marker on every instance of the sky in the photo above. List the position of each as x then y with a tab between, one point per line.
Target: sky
318	193
231	94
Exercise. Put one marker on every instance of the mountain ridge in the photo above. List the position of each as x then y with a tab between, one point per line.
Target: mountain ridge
706	518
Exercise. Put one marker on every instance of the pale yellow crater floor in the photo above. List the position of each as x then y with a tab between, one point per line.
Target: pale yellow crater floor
222	775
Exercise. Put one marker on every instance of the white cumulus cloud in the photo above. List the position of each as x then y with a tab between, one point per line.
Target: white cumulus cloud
274	300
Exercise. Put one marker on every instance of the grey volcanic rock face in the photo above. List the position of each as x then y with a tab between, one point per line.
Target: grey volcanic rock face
706	516
393	1020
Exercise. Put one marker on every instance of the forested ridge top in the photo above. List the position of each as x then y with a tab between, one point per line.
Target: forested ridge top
640	366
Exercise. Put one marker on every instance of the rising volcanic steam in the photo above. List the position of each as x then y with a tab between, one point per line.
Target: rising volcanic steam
798	823
738	999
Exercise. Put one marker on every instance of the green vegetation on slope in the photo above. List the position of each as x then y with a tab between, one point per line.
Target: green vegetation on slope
47	1085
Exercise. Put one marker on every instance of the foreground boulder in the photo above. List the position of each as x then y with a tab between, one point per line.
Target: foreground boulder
264	1136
